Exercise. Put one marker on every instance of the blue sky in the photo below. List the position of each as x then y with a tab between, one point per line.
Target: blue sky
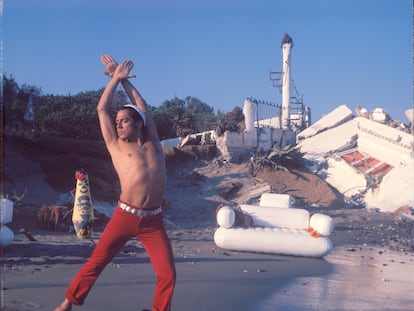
353	52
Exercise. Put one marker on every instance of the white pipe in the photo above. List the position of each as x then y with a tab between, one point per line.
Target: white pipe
287	44
249	115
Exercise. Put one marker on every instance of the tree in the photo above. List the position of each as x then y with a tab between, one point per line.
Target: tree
10	89
15	100
167	117
199	115
75	115
72	116
229	121
236	115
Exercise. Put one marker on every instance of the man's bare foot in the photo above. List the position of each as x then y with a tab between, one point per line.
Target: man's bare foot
64	306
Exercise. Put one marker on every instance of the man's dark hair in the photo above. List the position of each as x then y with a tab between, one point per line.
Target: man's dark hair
133	114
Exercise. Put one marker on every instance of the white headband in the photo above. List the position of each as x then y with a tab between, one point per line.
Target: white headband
140	112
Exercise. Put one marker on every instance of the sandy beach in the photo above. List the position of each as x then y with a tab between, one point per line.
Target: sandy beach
362	278
370	267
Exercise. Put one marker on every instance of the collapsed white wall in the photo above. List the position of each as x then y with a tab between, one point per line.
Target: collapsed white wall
336	133
395	190
393	146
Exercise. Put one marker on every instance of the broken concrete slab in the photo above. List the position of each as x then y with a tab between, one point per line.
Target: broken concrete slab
334	118
336	139
395	190
346	180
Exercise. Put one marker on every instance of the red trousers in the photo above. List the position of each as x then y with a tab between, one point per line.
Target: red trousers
120	229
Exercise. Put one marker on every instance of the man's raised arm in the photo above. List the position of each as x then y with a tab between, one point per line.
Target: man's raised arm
137	100
133	94
106	123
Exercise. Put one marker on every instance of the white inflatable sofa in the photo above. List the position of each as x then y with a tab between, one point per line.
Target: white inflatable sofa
276	228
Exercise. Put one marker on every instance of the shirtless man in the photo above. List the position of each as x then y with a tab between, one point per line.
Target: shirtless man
138	159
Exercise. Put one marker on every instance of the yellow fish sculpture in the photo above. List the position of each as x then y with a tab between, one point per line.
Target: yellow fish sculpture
83	215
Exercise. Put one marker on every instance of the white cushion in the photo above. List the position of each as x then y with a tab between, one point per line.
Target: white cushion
6	236
276	200
6	211
273	240
323	224
265	216
226	217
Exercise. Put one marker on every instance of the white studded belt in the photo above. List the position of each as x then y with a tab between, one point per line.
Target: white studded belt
139	212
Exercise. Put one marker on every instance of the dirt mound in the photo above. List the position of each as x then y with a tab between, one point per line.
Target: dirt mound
303	186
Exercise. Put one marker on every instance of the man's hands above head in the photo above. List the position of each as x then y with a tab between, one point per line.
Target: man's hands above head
122	70
111	67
